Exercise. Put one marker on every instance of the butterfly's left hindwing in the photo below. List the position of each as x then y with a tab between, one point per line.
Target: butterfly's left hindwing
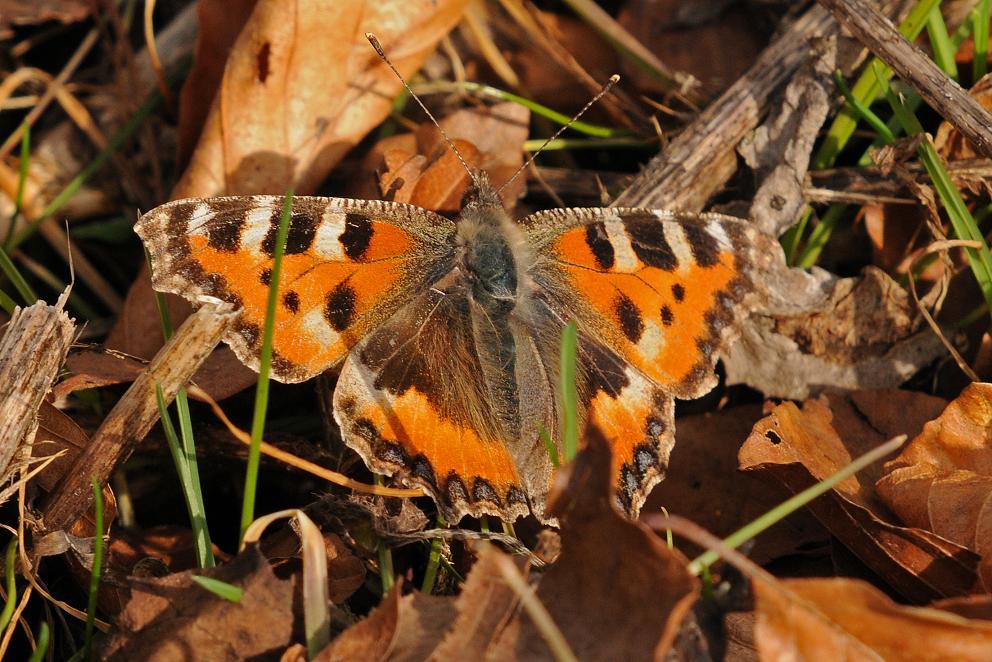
348	266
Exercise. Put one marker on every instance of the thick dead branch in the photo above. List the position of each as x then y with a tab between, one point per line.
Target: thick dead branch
947	97
133	416
701	159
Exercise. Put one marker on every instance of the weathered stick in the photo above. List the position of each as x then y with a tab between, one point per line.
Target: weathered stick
948	98
695	164
136	412
33	348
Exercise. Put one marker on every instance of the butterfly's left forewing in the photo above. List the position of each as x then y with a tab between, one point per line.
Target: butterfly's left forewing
655	295
348	266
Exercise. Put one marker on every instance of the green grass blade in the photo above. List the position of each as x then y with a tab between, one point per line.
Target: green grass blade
481	89
599	20
96	570
820	235
17	280
940	43
186	463
7	303
22	176
386	570
980	29
561	144
866	90
569	393
549	446
433	560
264	367
962	222
189	483
44	639
863	111
789	506
228	592
8	608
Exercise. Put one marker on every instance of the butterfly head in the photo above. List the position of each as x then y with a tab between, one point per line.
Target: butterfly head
481	194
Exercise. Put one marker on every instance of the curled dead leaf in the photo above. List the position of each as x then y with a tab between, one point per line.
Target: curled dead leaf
942	480
801	446
168	618
847	619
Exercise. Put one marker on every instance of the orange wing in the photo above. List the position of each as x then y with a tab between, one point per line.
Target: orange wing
348	266
658	288
654	294
425	398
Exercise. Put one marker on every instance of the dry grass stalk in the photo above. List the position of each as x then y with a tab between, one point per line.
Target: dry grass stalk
31	352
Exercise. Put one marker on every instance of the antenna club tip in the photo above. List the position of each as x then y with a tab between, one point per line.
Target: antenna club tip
614	79
372	40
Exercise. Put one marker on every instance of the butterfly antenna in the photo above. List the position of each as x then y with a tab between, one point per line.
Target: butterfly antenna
614	79
378	49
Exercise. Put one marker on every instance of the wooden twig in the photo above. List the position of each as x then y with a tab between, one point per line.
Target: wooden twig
135	413
701	159
878	33
33	348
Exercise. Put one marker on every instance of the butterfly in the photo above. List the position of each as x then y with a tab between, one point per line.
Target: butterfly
448	332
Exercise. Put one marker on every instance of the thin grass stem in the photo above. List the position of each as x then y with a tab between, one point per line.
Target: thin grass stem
980	29
10	559
264	368
96	570
569	393
44	639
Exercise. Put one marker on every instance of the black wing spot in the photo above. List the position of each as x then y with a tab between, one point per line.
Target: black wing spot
667	316
630	318
357	236
599	244
678	291
703	245
225	236
302	230
339	310
647	238
266	276
292	301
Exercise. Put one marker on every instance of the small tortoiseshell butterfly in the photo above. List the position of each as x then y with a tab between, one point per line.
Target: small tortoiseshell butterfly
449	331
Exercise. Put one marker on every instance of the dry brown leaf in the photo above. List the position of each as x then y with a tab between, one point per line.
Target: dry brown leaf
93	369
402	627
703	484
220	22
56	433
33	12
693	37
173	617
484	607
617	592
846	619
300	88
949	142
942	480
419	168
800	447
